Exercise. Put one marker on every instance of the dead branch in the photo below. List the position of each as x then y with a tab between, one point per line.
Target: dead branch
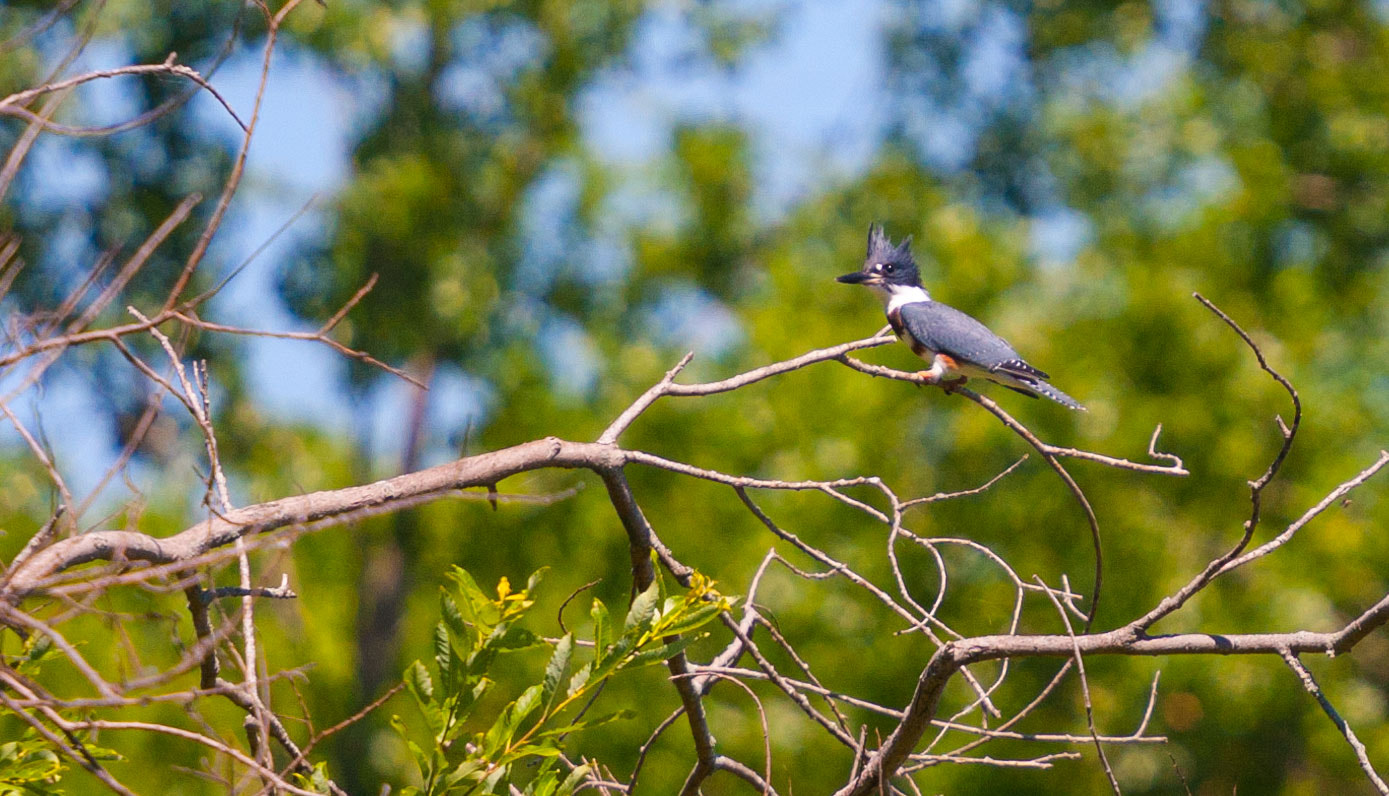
1132	639
14	103
1309	683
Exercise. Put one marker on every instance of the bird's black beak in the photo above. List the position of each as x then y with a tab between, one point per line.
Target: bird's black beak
855	278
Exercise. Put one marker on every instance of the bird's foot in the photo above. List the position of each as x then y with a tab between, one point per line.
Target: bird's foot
952	385
949	385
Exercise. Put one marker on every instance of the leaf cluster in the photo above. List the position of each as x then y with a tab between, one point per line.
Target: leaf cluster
28	765
520	746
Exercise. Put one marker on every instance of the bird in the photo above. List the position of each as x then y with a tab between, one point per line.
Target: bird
957	346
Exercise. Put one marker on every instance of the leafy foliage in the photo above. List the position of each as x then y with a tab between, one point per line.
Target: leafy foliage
475	629
29	765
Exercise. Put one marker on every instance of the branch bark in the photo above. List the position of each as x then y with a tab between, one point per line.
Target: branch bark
310	509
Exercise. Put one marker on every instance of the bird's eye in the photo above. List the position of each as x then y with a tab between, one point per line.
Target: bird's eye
889	268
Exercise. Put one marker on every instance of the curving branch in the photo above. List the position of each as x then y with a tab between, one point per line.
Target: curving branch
14	103
951	658
314	509
1132	639
668	386
319	509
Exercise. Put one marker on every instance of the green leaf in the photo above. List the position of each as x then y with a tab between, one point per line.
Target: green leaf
662	653
316	780
527	703
643	608
573	781
670	605
544	784
659	582
477	607
481	660
419	685
466	699
37	648
535	578
422	761
448	611
601	629
418	681
468	769
622	715
446	659
555	669
510	719
580	679
694	619
102	753
517	638
28	763
613	656
490	783
534	751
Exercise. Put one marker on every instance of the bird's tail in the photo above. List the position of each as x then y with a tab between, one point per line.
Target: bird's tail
1042	388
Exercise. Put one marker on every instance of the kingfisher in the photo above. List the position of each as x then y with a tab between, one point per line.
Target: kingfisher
957	346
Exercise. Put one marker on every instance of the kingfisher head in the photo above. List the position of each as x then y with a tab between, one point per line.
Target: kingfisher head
887	269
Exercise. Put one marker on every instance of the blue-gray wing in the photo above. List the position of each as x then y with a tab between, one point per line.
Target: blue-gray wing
946	330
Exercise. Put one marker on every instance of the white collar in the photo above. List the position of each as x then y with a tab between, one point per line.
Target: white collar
893	298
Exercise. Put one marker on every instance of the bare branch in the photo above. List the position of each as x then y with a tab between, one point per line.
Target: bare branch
281	592
615	429
667	386
14	103
984	487
1335	496
1361	755
1084	690
487	468
238	166
1046	449
722	763
1256	487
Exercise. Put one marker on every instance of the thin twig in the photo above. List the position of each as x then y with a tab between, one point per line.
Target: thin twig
1361	755
16	101
1084	689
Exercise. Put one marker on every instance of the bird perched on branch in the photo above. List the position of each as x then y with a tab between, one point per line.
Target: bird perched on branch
957	346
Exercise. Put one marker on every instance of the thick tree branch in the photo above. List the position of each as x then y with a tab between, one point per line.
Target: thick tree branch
956	654
218	531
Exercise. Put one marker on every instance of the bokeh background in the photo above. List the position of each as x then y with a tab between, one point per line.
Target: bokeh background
561	198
